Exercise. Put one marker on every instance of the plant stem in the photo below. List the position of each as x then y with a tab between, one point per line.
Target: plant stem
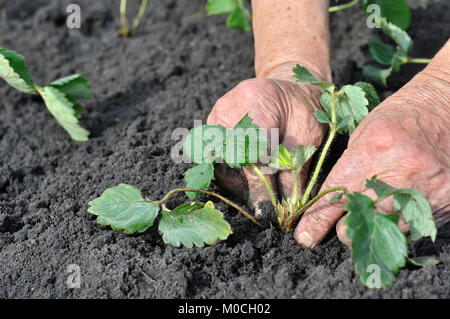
273	198
296	189
293	218
343	6
123	18
418	60
163	201
324	151
140	14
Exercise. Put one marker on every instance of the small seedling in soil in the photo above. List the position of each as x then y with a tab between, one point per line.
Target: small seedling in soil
60	96
375	237
239	16
389	55
124	30
395	11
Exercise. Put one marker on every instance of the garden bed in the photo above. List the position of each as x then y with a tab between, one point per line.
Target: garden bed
168	74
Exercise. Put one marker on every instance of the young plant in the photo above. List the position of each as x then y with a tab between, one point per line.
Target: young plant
60	96
124	30
389	55
375	238
193	223
239	16
395	11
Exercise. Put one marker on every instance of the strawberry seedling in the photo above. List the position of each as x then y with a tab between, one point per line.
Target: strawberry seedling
60	96
375	238
389	55
124	30
239	16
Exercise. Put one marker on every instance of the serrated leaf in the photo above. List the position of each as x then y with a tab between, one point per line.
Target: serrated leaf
378	247
215	7
395	11
415	209
205	143
336	198
422	261
244	144
193	224
399	36
239	19
281	158
123	208
304	76
353	104
63	109
376	75
344	122
301	154
75	86
14	71
371	94
322	116
381	52
198	177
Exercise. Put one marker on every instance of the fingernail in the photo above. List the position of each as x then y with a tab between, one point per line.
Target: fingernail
305	240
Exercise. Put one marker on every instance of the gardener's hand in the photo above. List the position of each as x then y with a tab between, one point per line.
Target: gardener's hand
271	103
405	141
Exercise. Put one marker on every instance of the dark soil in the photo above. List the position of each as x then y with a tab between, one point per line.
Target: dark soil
170	73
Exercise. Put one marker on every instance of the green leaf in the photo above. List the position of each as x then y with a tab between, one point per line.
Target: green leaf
198	177
353	104
376	75
75	86
14	71
205	143
378	247
65	112
344	122
304	76
416	210
336	198
395	11
281	158
371	94
193	224
423	261
244	144
381	52
215	7
239	19
322	116
301	154
400	37
123	208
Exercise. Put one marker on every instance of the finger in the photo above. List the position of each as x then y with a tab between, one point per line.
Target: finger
349	171
301	128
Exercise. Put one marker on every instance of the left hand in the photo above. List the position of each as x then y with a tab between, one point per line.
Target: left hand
405	141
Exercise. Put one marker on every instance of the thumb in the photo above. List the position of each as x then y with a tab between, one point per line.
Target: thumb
315	224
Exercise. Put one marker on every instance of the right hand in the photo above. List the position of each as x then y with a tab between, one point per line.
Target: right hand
271	103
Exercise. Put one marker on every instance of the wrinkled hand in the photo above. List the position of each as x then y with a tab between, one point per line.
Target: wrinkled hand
271	103
405	141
